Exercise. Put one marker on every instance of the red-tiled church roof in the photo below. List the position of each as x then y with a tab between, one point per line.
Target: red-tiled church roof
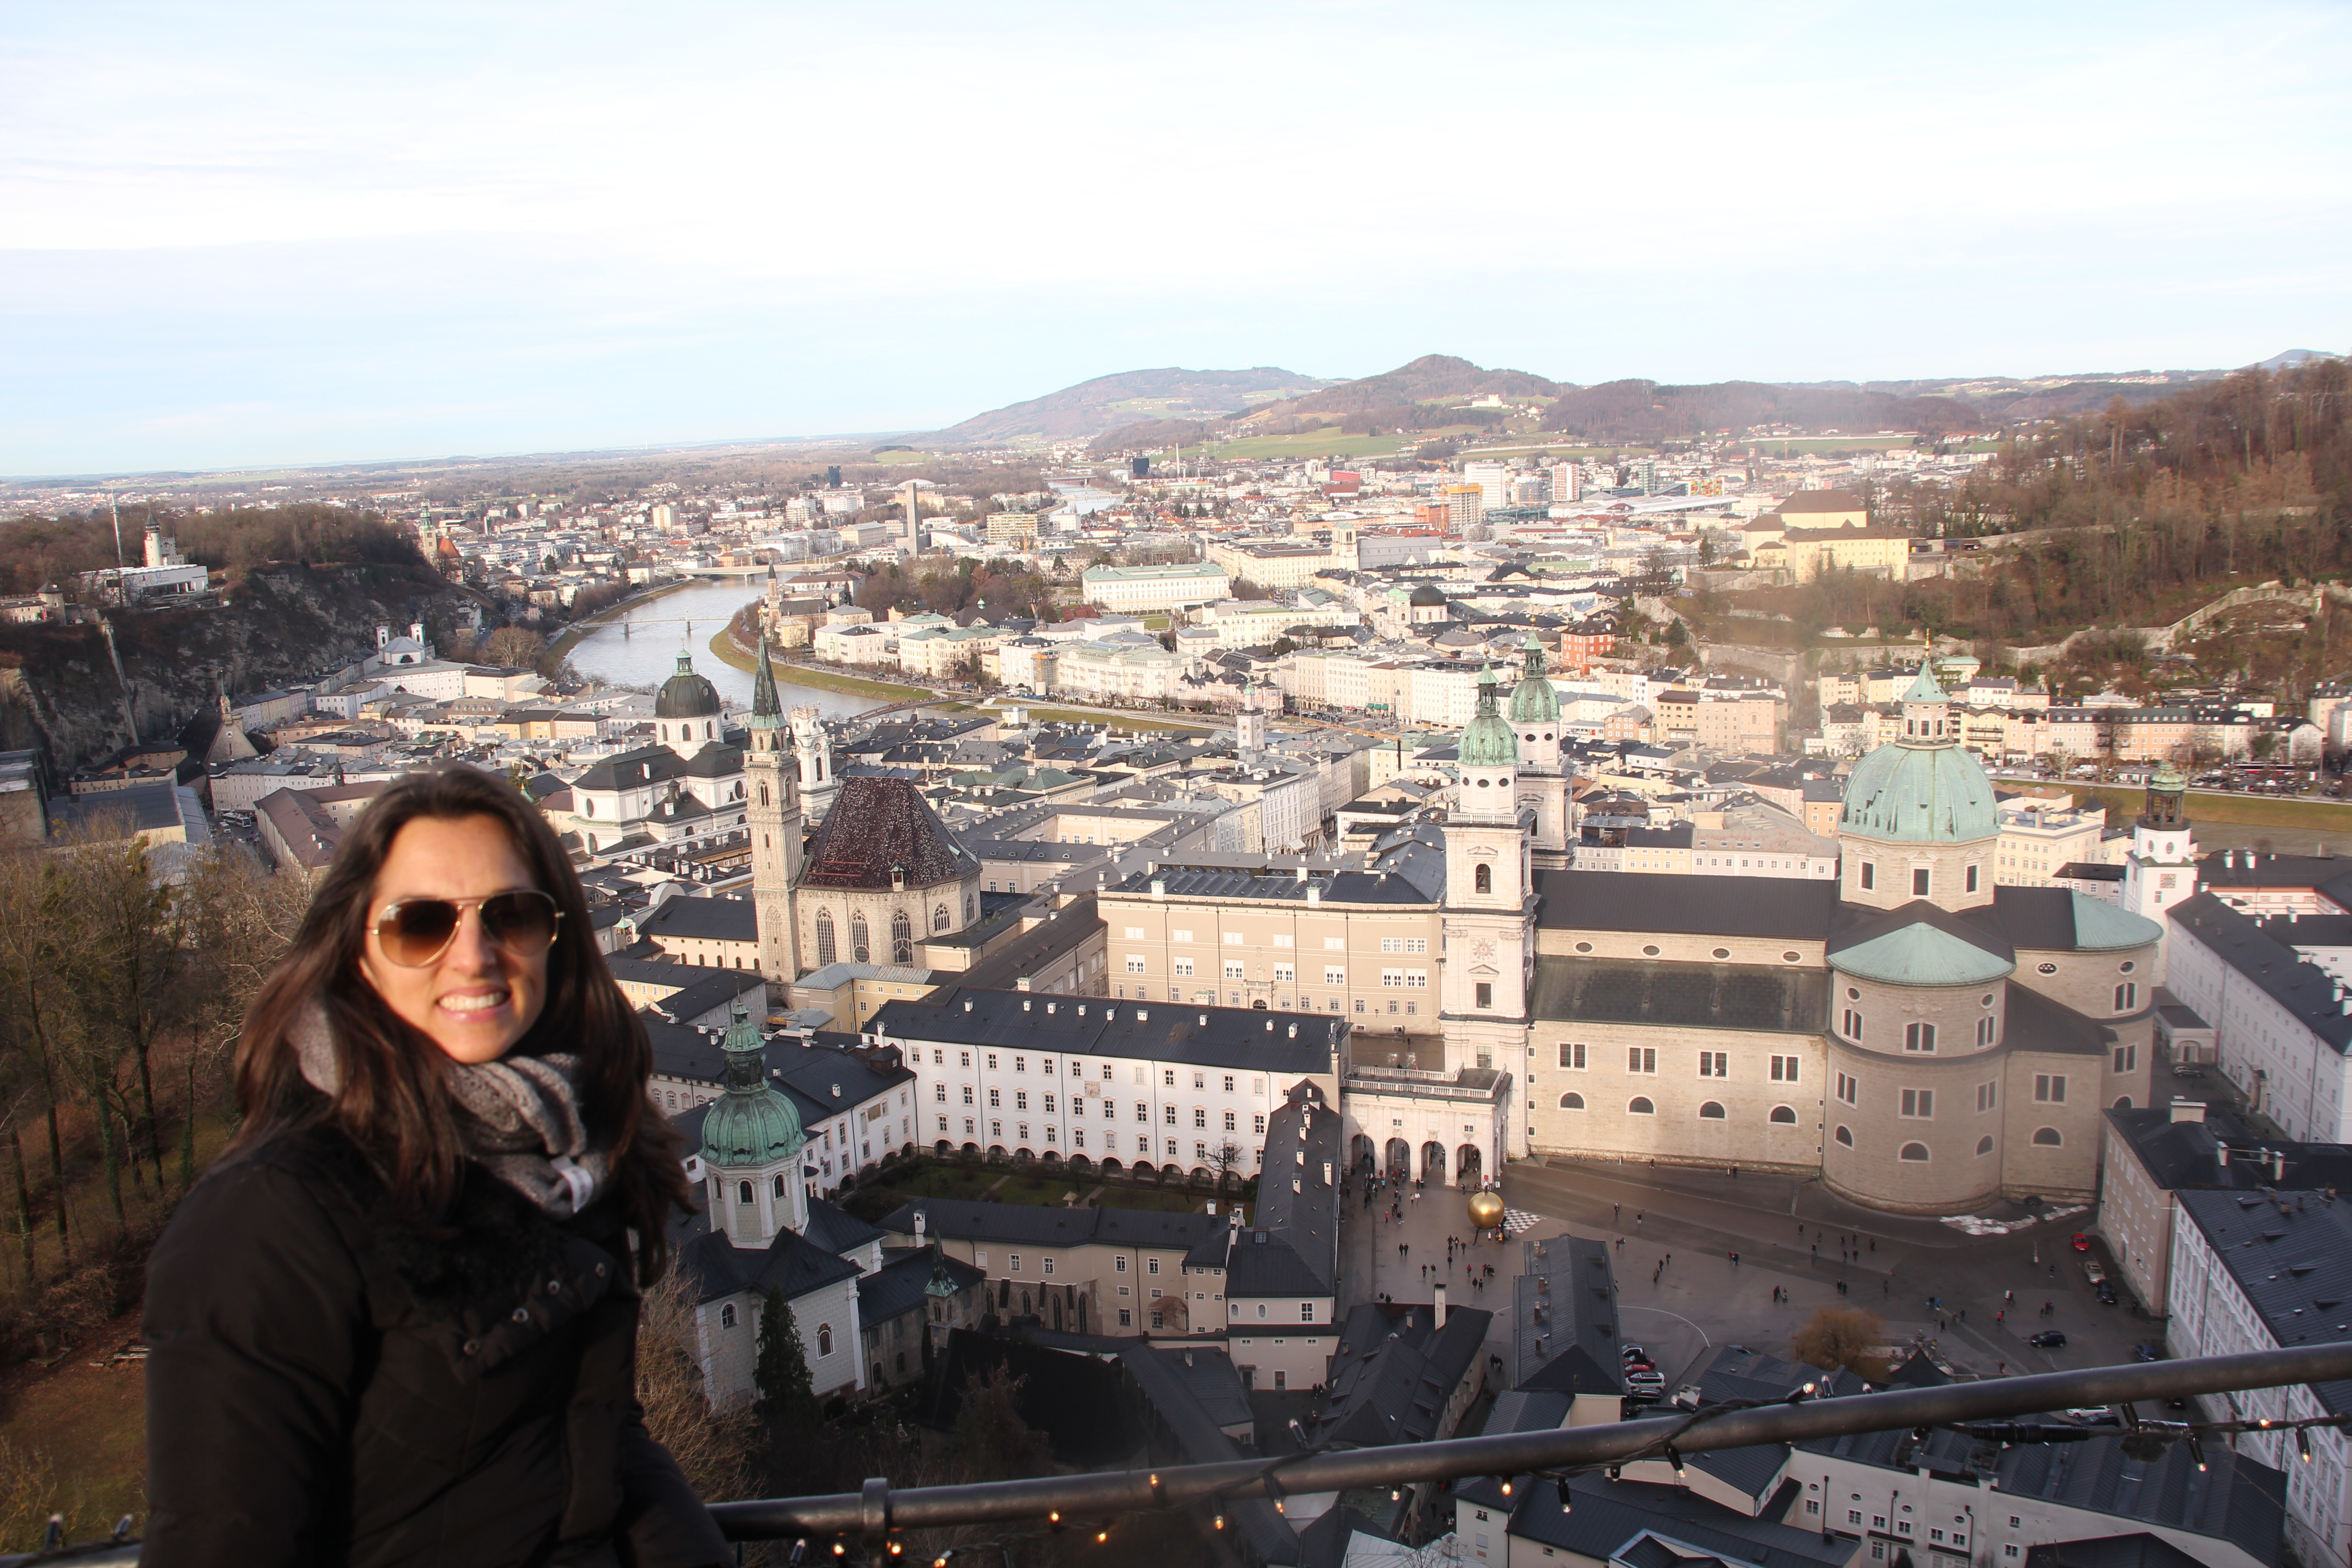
876	824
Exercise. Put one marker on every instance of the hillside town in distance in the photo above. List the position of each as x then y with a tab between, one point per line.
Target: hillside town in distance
1139	978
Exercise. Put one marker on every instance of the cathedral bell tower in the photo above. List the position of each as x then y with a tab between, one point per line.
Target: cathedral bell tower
1490	895
2161	870
752	1144
774	813
1542	782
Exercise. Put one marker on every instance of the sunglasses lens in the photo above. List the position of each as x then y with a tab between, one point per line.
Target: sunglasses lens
522	922
413	932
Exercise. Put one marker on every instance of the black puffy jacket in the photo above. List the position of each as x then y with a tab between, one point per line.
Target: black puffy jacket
326	1385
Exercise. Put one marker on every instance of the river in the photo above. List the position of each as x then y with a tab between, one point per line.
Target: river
641	649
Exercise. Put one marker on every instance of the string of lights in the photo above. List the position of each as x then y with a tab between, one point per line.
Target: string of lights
878	1513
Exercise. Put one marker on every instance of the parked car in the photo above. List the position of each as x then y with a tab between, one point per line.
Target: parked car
2092	1272
2049	1339
2095	1416
2188	1069
1634	1352
1635	1366
1688	1397
2081	1241
1655	1382
2107	1292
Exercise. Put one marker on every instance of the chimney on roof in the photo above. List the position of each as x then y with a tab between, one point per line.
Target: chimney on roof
2278	1164
1437	1311
2187	1110
919	1228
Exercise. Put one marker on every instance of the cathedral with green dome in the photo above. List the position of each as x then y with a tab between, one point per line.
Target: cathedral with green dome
1920	1039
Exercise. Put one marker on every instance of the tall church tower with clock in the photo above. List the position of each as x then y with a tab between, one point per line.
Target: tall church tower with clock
1489	899
773	817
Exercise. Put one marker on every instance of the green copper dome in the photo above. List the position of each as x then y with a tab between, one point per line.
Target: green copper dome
1533	700
751	1124
685	695
1923	688
1918	794
1487	741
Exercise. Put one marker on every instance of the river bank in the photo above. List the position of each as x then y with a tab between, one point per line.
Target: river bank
570	636
726	648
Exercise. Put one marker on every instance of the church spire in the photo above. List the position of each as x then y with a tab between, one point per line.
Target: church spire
767	712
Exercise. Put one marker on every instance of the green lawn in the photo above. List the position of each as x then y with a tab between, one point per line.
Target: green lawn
888	457
2123	802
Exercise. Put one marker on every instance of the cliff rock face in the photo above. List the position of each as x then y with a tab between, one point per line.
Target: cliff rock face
59	692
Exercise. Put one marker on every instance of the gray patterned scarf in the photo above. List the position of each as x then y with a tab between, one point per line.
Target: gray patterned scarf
520	1117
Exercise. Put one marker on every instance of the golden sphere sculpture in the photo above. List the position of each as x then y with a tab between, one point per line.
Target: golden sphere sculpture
1486	1210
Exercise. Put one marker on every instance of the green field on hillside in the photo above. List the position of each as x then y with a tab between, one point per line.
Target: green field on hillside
1777	446
1325	443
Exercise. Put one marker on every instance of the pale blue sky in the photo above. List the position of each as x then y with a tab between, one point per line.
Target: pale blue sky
261	233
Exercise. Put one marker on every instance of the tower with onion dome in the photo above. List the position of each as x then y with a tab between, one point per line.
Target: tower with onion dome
1542	785
1486	920
751	1144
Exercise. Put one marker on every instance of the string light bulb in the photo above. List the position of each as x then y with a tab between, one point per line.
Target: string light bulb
2197	1452
1565	1506
1674	1458
1273	1492
2303	1445
896	1547
1221	1522
1505	1482
1101	1536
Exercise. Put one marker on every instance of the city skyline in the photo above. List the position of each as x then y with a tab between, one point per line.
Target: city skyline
286	238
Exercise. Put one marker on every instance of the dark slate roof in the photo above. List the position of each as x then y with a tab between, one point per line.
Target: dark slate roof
2035	1023
826	1081
901	1284
702	987
1791	908
1033	1225
1195	1392
1282	1043
1395	1370
2244	869
1609	1515
2238	1499
1859	923
836	1229
2292	1256
2182	1154
2308	930
1293	1246
874	825
646	764
719	918
2304	989
1564	1318
2142	1551
1789	1000
1528	1410
715	1266
1280	884
1070	926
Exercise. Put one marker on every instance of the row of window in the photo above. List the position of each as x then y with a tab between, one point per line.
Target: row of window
902	935
1109	1107
1284	939
1411	1008
1922	878
726	1320
1077	1068
1643	1060
1110	1143
1712	1110
2043	1137
1284	974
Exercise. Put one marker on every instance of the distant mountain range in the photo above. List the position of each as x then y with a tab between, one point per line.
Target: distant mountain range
1131	397
1153	409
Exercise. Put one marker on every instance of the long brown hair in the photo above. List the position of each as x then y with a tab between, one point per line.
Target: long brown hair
393	1102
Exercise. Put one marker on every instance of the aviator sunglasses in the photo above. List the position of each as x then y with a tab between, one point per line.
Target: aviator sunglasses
414	932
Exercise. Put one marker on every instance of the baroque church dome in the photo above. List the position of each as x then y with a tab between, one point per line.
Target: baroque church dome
687	695
1487	741
1533	700
1923	787
752	1123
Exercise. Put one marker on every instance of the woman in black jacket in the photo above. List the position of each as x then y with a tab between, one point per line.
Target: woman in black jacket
397	1322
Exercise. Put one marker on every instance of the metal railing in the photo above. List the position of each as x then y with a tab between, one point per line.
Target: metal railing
878	1510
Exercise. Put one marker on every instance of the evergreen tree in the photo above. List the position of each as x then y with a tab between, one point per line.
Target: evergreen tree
781	1374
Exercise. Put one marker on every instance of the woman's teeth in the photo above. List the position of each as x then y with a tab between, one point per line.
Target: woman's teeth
473	1004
